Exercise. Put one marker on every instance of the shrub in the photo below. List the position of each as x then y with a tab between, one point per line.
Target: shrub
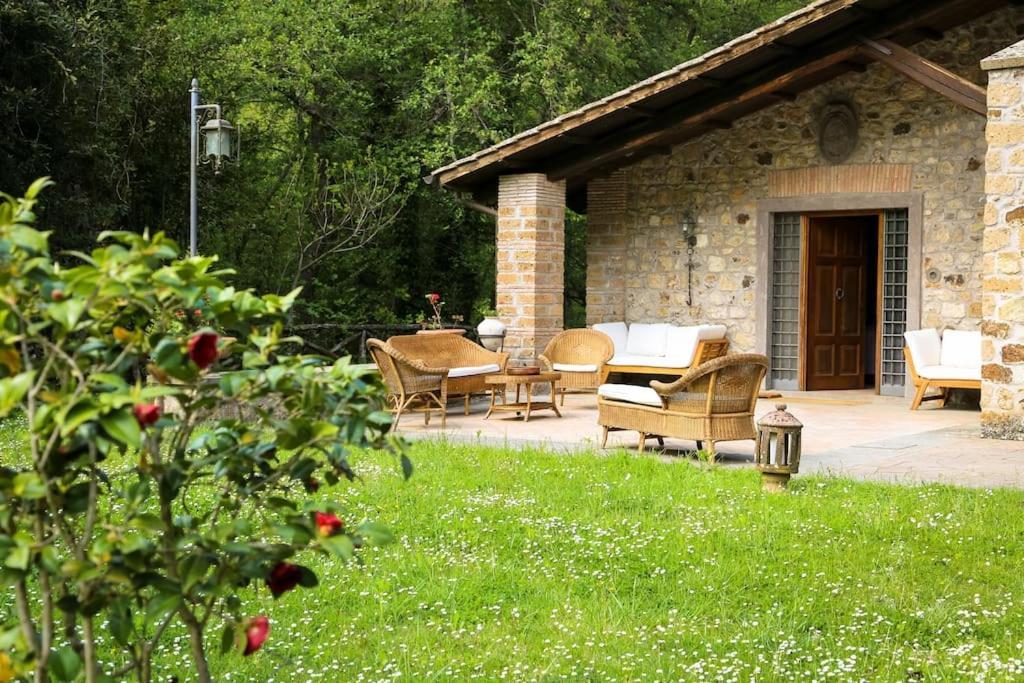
97	358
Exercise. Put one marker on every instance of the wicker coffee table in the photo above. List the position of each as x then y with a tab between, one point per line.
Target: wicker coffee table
501	383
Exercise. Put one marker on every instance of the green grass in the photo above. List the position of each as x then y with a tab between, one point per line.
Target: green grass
531	565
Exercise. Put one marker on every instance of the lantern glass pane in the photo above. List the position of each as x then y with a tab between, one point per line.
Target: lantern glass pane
218	143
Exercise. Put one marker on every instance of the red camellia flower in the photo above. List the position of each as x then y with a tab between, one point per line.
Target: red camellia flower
328	524
256	633
283	577
147	413
202	349
434	297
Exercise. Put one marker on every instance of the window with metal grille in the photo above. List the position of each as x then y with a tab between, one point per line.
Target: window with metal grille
784	326
895	253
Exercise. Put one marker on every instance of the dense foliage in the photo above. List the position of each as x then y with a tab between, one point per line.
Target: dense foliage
94	94
115	356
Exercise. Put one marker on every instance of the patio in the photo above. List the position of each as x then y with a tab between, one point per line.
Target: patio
848	433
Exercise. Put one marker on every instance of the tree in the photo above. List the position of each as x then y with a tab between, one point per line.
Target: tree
116	355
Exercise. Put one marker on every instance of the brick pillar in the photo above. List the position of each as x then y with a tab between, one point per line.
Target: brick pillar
531	261
1002	346
606	249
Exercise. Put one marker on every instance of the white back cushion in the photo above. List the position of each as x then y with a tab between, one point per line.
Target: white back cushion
711	332
617	331
681	344
961	349
647	340
925	347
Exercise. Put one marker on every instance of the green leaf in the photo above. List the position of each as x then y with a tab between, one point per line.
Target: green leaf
81	411
13	389
160	606
122	427
227	638
406	466
37	186
340	546
67	313
19	557
308	578
29	486
375	533
167	354
120	622
64	664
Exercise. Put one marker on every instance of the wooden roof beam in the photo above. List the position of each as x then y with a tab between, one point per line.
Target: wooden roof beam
650	133
927	73
646	112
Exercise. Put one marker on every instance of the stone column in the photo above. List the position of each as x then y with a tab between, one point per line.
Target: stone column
606	249
531	261
1002	346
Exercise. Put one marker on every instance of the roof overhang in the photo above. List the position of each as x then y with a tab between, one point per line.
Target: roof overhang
825	39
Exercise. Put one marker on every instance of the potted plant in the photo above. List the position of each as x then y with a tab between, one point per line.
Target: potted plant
434	324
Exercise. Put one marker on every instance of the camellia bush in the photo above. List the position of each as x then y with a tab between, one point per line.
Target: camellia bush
173	444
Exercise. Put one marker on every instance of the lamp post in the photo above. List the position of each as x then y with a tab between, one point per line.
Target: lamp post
221	146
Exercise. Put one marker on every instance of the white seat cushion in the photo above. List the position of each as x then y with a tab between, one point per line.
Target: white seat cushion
569	367
473	370
651	361
644	396
947	372
647	340
961	349
617	331
925	347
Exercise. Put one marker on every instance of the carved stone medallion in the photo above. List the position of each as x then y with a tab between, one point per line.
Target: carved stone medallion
837	133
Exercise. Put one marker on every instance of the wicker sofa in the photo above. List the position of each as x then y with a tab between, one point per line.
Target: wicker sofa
661	349
579	356
467	363
712	402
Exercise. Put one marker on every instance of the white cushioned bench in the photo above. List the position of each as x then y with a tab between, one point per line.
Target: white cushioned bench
661	349
949	361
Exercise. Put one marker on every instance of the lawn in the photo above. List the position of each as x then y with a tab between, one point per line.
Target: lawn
531	565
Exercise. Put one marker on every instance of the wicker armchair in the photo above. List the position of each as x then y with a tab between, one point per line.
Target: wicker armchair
710	403
468	363
411	384
579	355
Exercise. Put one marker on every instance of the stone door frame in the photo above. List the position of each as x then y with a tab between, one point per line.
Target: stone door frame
913	202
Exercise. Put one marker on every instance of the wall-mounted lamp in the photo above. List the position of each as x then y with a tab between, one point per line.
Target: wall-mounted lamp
689	225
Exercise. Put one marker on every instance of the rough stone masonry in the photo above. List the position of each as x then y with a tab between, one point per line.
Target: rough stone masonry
1002	372
636	262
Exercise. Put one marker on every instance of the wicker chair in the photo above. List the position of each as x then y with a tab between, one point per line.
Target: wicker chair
411	384
468	363
712	402
579	355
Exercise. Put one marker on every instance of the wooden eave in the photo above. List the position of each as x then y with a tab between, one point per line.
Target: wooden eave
773	63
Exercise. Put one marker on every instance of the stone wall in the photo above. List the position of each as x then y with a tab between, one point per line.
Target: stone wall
1002	392
606	249
721	177
531	261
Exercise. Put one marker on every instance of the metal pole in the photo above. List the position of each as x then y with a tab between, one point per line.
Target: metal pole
193	191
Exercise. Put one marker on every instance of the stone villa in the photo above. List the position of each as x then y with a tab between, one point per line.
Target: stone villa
856	160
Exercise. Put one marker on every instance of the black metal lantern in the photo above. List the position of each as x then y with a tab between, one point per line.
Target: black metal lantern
777	450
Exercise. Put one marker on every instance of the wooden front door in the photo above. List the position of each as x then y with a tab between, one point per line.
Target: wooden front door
838	253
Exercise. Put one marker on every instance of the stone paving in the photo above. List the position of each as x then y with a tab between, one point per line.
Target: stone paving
856	434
